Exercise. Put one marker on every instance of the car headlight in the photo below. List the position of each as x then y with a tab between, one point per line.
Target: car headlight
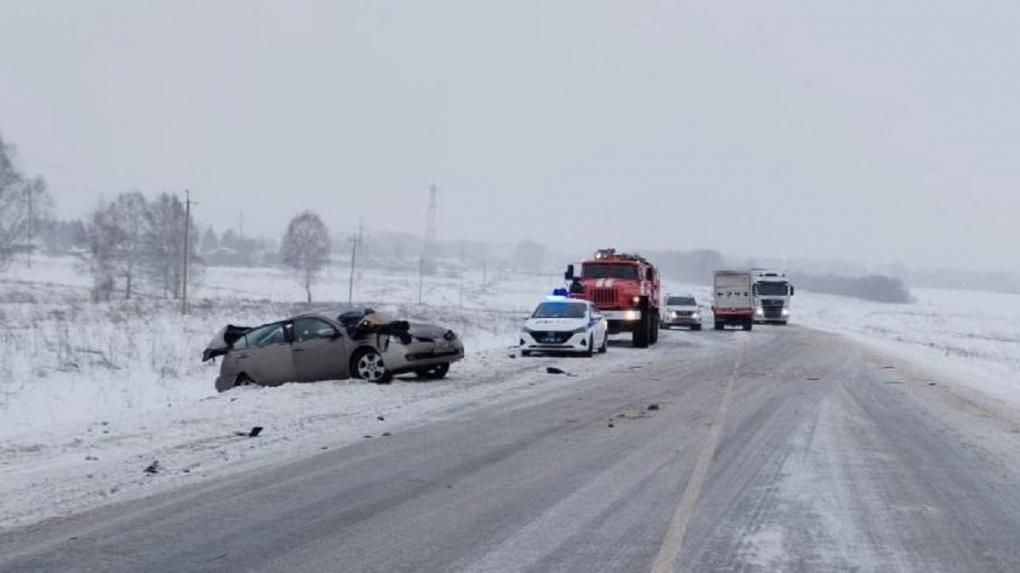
759	312
579	330
786	312
696	315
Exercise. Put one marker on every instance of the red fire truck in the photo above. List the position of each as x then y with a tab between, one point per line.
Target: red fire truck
625	289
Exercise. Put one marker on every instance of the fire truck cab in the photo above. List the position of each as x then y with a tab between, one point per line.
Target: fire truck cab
624	288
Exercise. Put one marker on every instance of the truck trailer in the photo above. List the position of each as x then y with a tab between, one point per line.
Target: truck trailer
733	299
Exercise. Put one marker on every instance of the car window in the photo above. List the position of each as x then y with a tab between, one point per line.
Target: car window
312	328
266	336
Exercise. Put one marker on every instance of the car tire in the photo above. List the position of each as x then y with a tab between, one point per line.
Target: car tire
591	347
605	344
437	372
748	325
243	380
695	327
368	365
526	354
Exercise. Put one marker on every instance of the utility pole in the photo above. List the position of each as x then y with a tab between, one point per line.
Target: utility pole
29	191
421	275
187	251
355	243
426	262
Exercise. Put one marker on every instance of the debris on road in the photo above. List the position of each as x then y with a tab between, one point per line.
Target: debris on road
653	407
253	433
153	468
555	370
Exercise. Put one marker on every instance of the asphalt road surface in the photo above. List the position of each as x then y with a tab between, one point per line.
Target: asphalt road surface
781	449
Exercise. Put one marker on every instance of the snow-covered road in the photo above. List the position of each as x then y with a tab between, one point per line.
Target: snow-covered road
778	449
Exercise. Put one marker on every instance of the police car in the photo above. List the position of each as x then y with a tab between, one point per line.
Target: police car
562	324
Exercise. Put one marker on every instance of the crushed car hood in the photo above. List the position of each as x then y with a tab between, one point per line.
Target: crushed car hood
423	331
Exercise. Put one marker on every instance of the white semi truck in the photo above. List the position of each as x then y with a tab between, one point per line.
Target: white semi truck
772	294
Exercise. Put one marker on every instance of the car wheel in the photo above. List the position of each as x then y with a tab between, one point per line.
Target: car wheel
368	366
243	380
526	353
434	373
591	347
696	327
605	344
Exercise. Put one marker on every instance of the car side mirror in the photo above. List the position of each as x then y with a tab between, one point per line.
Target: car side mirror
792	290
649	274
569	275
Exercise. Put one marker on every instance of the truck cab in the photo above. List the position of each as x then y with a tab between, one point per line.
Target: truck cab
624	288
772	296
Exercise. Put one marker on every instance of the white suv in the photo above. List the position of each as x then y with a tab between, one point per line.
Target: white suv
681	310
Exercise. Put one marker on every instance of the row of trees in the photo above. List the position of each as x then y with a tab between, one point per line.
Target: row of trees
132	240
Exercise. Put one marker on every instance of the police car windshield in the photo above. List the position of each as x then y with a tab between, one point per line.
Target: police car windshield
559	310
609	271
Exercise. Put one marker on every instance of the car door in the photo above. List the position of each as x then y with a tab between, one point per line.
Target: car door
267	358
319	351
600	329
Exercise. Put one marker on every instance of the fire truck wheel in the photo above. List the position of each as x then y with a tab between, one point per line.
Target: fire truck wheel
642	332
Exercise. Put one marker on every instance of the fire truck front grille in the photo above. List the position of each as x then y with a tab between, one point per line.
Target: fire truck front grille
603	296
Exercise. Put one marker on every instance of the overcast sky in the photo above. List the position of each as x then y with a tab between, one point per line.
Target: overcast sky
872	130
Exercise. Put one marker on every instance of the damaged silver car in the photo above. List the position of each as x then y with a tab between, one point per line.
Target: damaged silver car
319	346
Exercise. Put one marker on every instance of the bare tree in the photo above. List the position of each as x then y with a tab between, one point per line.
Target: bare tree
24	203
164	243
103	239
305	248
128	218
12	207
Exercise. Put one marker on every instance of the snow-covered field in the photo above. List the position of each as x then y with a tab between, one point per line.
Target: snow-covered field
973	338
90	394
